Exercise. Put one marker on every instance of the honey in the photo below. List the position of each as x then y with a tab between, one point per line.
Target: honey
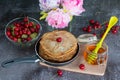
101	54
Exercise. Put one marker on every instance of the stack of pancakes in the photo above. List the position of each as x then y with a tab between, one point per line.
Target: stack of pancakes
58	51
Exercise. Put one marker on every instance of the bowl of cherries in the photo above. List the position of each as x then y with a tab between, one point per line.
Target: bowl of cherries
23	31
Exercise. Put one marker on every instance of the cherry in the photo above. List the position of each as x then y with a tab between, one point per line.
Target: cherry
36	30
22	23
18	36
16	33
89	30
89	27
59	72
114	31
116	27
24	32
106	25
8	33
26	29
84	29
97	23
19	28
59	39
8	29
20	32
15	39
17	25
37	26
94	34
92	21
30	24
28	32
16	29
24	40
11	37
29	38
82	66
14	23
32	29
94	26
26	25
25	19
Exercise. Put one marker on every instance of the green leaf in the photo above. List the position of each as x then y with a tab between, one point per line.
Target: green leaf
43	16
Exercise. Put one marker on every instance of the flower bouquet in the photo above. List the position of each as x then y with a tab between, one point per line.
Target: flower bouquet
59	13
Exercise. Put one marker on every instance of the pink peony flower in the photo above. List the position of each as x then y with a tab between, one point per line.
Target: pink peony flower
58	18
74	7
47	5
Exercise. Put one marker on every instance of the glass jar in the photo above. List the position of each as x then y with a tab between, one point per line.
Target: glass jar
101	55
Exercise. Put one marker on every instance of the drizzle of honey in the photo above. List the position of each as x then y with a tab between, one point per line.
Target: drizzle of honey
91	48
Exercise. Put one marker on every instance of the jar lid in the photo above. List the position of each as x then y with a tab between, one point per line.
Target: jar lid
85	38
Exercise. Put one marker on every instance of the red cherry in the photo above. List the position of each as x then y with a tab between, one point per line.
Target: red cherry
32	29
30	24
29	38
24	32
106	24
18	36
92	21
99	26
94	34
24	40
26	25
89	27
22	23
117	27
26	29
16	33
84	29
114	31
25	19
28	32
82	66
97	23
36	30
94	26
20	32
14	23
8	29
17	25
16	29
8	33
37	26
15	39
11	37
89	30
59	39
59	72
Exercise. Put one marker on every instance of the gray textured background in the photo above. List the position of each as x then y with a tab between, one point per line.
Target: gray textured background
99	10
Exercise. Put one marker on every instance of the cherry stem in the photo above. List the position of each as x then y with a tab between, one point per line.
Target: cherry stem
101	25
104	23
